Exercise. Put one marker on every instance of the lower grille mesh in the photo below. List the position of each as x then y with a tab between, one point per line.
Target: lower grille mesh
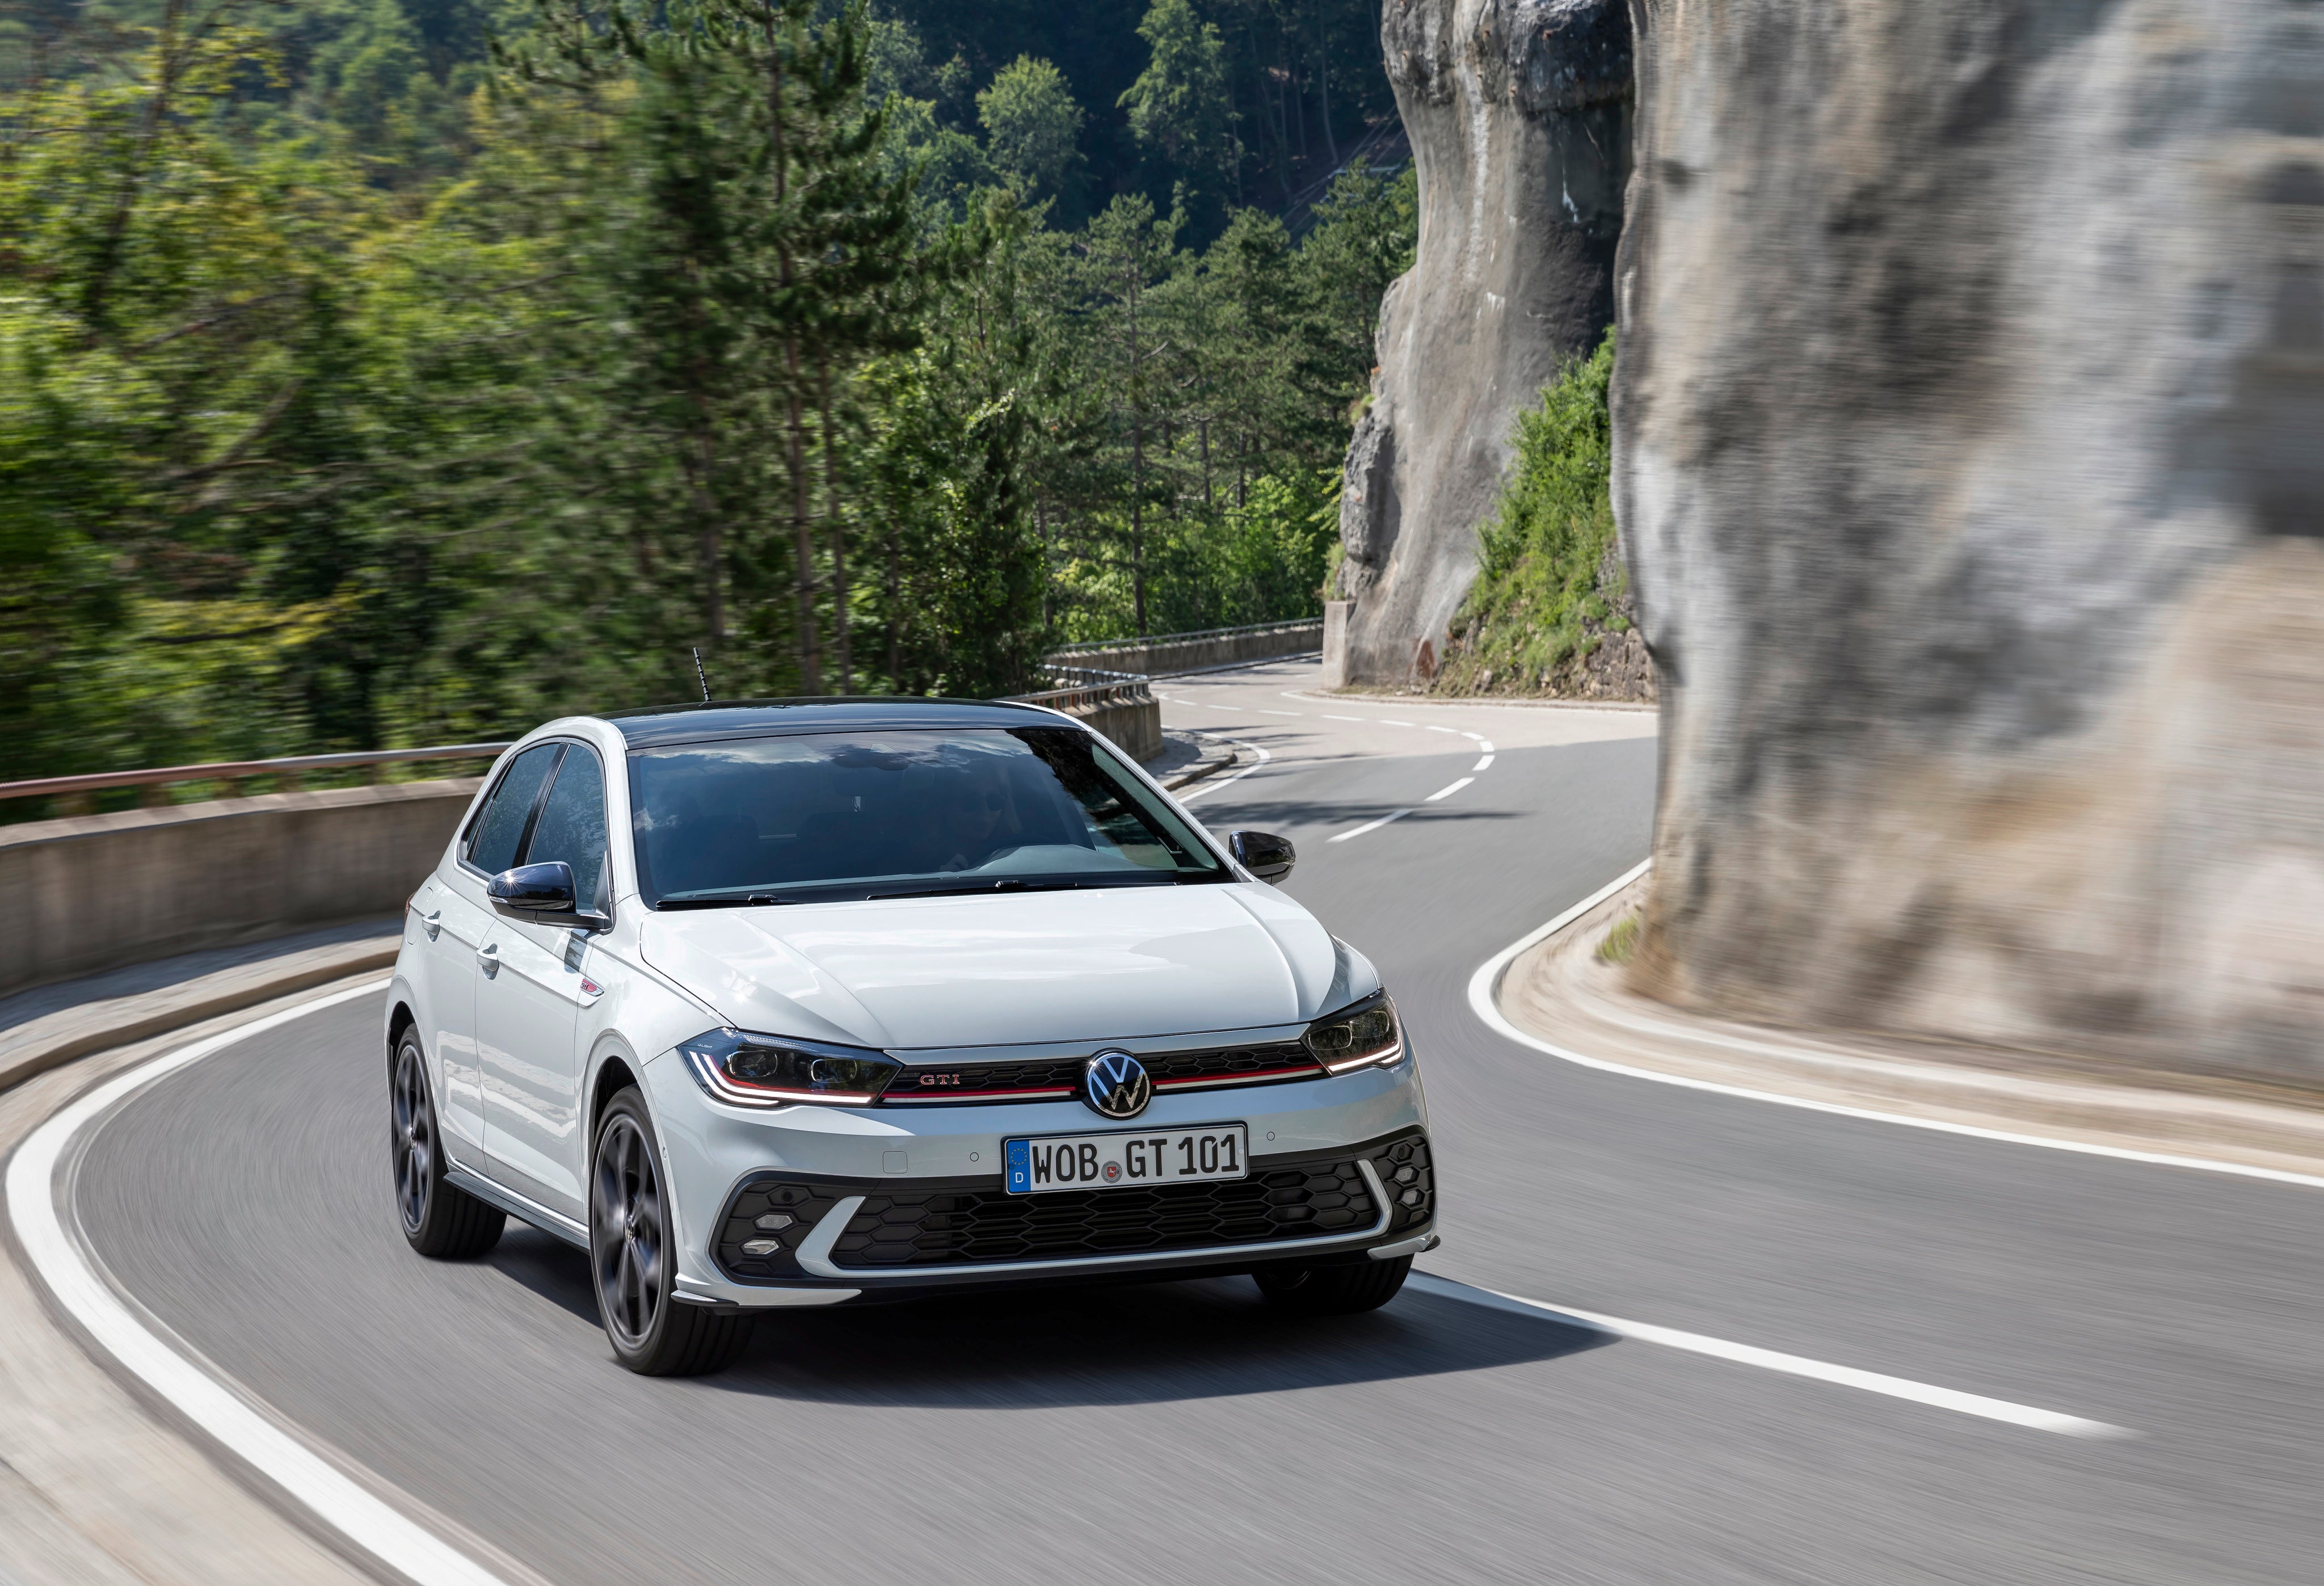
896	1229
949	1227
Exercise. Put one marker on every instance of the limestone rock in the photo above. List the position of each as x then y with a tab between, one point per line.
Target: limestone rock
1969	453
1519	111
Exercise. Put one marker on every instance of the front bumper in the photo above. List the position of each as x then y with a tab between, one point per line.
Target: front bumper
883	1202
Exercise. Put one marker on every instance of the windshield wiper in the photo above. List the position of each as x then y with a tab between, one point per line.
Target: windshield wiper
1005	884
747	900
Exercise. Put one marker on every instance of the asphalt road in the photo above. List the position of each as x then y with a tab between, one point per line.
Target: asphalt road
1180	1434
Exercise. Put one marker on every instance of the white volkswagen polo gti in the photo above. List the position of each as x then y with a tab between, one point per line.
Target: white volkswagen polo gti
808	1002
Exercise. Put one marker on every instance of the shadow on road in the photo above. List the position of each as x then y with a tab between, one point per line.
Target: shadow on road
1123	1346
1133	1344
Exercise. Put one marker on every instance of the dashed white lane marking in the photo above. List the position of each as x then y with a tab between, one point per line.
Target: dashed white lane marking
1391	722
398	1541
1474	737
1214	787
1262	710
1482	763
1452	732
1396	815
1744	1354
1332	719
1484	746
1447	792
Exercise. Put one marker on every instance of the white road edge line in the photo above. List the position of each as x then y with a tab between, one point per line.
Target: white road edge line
1214	787
1485	984
1744	1354
1396	815
1448	792
388	1535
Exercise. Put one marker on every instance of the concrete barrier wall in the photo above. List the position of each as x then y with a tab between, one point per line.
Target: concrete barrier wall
1134	727
1160	660
93	893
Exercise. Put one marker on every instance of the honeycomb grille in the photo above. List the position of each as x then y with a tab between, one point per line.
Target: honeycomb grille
1191	1071
1405	1170
942	1228
803	1205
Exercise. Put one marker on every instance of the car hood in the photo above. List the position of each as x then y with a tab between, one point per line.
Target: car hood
1105	963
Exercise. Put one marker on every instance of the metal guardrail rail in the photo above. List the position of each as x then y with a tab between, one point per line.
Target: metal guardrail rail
288	772
1099	646
1088	688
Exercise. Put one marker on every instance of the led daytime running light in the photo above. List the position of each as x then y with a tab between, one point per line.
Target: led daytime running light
1366	1035
773	1071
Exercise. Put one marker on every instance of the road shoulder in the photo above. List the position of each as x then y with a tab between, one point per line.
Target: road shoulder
1560	992
95	1485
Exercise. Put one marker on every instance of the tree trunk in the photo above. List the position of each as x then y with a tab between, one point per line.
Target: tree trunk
1136	459
895	613
1323	86
838	535
810	655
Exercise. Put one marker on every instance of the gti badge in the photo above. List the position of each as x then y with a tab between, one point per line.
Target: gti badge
1114	1083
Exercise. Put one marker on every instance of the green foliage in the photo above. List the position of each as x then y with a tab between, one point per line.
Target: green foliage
1547	587
1033	126
357	389
1179	107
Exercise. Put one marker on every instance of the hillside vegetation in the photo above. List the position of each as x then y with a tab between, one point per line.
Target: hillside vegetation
379	372
1550	613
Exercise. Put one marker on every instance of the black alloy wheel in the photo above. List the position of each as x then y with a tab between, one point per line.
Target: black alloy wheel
439	1219
631	1261
1333	1291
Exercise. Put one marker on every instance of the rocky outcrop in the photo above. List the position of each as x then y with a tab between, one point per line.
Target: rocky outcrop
1969	452
1519	111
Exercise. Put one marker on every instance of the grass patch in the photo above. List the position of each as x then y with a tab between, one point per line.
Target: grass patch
1550	585
1622	942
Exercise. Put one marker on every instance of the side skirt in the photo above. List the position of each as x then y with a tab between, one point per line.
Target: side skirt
517	1206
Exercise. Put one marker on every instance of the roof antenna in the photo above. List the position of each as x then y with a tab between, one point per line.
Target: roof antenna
698	675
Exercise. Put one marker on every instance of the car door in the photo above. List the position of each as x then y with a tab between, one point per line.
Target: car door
528	999
458	919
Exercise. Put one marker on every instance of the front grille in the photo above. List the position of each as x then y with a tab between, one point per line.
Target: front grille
943	1228
967	1223
1054	1079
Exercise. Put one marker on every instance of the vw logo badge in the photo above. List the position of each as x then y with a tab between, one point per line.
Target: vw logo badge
1114	1083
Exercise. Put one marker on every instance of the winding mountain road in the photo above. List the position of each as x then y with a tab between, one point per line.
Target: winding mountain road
1181	1433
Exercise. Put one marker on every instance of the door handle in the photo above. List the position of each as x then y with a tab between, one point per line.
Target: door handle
490	957
432	922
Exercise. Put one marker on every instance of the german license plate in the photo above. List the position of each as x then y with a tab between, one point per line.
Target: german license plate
1125	1159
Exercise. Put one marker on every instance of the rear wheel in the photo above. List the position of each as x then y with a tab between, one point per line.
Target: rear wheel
439	1219
633	1259
1333	1291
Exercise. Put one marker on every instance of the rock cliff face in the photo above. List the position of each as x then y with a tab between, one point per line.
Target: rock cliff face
1969	452
1519	111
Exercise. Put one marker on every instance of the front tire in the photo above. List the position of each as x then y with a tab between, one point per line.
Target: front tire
439	1219
633	1259
1333	1291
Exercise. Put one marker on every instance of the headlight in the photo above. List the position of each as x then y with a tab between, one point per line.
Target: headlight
1362	1036
774	1071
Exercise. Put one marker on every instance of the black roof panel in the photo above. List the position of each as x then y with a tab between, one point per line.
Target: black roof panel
757	718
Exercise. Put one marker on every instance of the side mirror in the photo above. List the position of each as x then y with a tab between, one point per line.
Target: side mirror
1265	855
543	894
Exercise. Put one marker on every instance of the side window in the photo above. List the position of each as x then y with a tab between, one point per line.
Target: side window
572	825
499	830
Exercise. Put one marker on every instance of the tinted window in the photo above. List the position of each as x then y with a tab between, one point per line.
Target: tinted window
877	813
491	845
572	825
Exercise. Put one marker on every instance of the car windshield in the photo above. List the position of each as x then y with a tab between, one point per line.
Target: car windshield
820	817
